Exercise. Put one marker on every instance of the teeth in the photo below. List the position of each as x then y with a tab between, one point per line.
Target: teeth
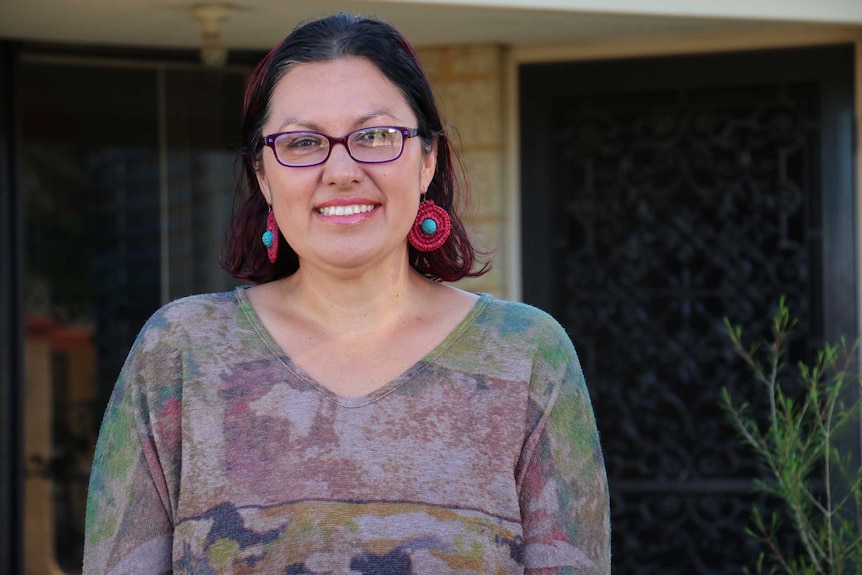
345	210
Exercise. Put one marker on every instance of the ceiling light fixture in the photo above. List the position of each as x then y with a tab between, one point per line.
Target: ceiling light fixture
213	50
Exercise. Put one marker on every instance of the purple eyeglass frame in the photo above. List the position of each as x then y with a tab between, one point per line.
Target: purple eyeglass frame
406	134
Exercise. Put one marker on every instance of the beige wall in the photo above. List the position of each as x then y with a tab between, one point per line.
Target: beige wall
468	84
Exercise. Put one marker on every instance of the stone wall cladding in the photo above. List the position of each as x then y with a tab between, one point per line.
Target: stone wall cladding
468	81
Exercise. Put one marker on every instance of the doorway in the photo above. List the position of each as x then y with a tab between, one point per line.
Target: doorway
660	195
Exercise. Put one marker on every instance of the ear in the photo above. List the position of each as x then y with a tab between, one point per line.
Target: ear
429	167
262	183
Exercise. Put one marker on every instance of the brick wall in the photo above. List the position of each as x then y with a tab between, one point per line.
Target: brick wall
468	84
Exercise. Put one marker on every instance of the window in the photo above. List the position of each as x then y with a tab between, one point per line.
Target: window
126	182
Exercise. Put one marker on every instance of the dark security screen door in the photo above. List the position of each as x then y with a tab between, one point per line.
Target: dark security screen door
658	196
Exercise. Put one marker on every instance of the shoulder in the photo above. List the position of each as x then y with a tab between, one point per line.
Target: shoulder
526	330
182	318
197	307
175	334
520	321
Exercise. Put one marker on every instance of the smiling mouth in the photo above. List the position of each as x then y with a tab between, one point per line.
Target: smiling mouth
345	210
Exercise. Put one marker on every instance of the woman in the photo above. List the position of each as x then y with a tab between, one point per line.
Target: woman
349	413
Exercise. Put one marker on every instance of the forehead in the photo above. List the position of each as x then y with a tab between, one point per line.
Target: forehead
336	92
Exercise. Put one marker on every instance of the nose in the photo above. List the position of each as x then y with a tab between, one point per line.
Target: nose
340	168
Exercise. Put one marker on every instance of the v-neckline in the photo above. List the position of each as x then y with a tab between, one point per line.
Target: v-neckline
376	394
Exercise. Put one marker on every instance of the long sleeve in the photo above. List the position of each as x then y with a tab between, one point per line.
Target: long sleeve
561	475
132	495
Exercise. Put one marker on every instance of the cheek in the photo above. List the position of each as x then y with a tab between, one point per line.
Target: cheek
288	186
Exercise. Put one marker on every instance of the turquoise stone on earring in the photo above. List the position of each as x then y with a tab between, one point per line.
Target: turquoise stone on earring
429	226
266	238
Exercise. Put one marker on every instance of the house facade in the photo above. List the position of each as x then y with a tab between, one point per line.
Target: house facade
640	172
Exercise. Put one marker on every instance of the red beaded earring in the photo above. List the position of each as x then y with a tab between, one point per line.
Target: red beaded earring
431	227
270	236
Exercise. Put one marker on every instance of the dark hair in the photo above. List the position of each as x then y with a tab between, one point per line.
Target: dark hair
326	39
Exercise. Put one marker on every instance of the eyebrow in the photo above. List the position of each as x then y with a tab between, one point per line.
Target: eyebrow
310	125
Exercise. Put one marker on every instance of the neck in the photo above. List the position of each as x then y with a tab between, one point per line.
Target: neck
356	302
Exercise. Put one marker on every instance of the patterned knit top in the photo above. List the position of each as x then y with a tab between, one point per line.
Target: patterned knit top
218	455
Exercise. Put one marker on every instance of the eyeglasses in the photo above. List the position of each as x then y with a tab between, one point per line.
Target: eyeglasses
368	145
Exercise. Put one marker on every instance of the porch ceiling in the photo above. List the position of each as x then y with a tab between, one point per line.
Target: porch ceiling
258	24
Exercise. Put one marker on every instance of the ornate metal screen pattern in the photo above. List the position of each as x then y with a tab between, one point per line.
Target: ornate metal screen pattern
675	209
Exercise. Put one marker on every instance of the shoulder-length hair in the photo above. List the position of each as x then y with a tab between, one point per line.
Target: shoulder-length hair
326	39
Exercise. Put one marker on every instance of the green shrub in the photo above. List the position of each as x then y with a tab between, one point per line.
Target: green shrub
798	444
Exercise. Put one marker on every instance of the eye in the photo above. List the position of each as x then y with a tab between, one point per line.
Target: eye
300	141
376	137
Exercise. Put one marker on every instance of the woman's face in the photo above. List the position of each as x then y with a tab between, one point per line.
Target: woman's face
342	214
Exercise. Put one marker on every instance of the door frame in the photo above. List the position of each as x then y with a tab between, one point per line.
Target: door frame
841	261
11	330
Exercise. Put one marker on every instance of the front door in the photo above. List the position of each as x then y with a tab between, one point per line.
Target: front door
660	195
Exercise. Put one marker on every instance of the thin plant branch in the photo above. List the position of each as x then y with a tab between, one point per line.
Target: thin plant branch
796	442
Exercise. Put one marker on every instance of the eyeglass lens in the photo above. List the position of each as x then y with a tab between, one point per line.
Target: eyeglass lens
365	145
